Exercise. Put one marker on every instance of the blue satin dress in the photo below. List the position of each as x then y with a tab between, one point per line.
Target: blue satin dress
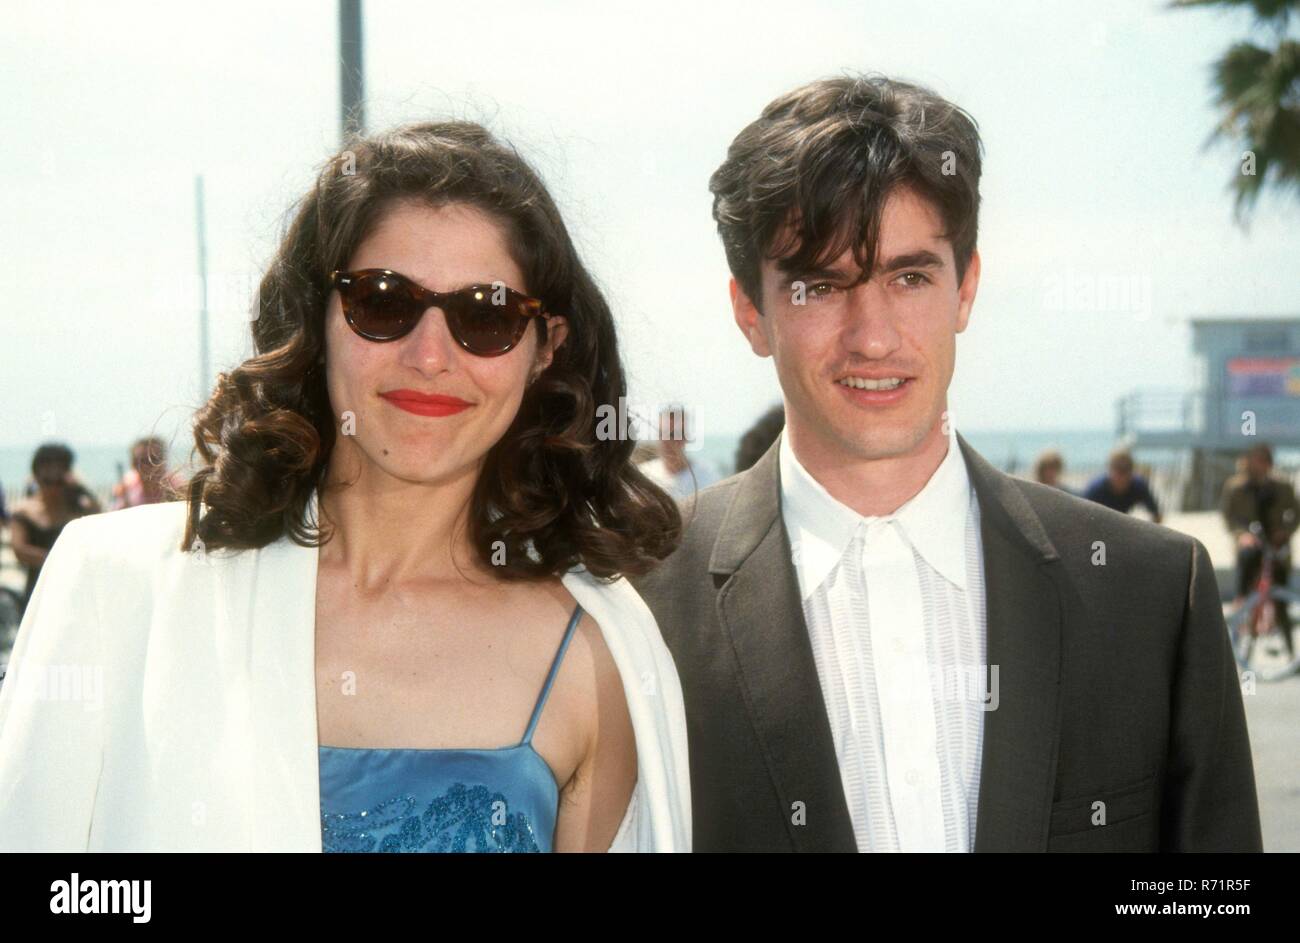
403	799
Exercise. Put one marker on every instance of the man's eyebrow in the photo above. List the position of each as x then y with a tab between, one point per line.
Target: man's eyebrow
921	258
812	275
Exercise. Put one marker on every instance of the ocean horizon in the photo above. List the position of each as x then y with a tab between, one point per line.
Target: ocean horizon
99	466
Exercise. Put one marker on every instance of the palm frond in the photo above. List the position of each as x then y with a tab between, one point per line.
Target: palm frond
1273	12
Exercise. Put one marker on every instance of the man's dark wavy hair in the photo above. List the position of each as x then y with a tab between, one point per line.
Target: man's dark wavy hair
266	433
809	178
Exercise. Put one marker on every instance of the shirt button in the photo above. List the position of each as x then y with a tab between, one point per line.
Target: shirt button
913	777
899	647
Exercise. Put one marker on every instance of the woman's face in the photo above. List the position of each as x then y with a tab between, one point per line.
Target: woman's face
50	478
442	248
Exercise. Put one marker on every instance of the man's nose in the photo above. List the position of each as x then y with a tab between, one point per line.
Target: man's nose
869	328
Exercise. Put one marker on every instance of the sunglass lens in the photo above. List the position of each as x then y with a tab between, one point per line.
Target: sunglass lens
381	306
486	323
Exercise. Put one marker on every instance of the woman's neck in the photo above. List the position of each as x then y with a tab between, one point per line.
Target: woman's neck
388	531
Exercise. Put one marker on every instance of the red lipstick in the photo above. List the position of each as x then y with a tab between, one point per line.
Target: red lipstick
425	404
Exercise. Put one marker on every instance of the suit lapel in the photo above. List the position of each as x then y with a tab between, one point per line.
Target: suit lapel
759	608
760	611
1023	608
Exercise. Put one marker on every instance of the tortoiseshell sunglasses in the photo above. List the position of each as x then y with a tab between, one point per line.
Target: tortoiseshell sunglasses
487	320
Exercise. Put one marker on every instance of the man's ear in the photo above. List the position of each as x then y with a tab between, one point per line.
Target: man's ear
970	283
748	319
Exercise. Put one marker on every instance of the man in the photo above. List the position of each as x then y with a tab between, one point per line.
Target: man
670	468
1257	497
823	603
1048	469
1121	490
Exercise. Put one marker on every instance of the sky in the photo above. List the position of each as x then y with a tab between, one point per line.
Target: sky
1106	221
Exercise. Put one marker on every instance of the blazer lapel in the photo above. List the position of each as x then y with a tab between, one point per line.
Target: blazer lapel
271	607
759	609
1023	608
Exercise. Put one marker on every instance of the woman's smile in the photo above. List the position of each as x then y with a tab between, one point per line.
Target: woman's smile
426	404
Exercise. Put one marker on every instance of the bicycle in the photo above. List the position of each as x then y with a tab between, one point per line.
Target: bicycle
11	614
1257	638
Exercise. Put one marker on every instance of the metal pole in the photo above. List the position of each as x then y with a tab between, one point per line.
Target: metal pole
205	383
352	116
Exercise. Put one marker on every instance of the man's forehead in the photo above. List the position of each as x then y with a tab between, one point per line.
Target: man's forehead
909	226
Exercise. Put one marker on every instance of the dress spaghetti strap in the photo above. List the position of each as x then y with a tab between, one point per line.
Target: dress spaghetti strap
550	678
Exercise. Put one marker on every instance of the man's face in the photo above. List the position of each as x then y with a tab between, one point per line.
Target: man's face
838	349
1121	479
1257	466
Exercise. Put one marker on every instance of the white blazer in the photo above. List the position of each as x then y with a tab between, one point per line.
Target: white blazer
159	701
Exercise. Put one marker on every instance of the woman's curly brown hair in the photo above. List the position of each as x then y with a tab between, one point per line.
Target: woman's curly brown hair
551	491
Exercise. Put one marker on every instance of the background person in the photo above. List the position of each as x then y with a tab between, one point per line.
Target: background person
39	518
1257	496
759	437
1048	468
671	468
1120	489
147	481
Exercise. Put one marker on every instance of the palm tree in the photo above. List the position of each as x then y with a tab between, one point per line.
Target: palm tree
1258	90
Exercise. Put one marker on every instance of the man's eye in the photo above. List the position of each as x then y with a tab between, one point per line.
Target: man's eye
914	279
821	289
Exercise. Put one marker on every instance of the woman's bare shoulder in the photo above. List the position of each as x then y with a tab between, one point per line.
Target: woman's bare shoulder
592	673
588	641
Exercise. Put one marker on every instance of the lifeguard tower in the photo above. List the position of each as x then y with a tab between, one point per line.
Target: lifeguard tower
1247	391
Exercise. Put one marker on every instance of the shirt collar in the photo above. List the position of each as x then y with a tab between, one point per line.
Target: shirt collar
820	527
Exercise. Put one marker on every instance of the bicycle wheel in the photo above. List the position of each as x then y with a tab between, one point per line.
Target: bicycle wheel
1259	644
10	619
1240	631
1274	653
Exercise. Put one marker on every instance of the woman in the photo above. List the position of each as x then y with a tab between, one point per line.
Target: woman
391	614
148	480
40	518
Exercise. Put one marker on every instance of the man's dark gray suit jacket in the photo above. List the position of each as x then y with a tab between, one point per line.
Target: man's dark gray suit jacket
1116	681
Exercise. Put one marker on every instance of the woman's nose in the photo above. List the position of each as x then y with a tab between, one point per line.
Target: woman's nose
429	346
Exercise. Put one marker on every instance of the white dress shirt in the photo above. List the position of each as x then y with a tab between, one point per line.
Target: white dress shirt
895	611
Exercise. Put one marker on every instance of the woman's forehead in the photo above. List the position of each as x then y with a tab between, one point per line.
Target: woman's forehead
438	244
